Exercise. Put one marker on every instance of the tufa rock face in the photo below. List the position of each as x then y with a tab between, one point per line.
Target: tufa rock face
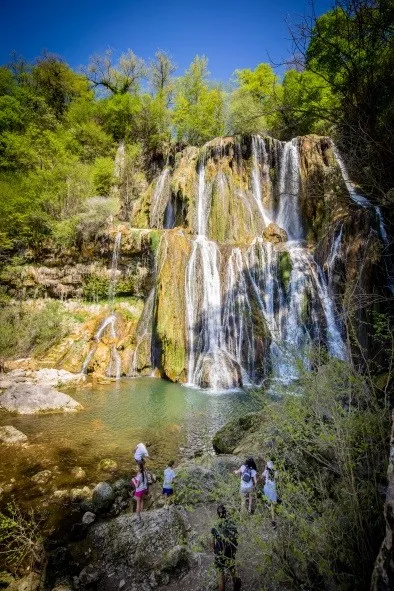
28	398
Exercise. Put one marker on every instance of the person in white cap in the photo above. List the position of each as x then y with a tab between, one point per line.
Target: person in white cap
140	453
270	493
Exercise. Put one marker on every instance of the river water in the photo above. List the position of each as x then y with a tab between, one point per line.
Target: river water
173	420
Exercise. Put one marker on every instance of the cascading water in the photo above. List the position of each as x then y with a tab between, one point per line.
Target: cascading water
237	299
259	156
288	216
160	200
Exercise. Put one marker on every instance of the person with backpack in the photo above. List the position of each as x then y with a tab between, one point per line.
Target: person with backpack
225	542
269	489
248	474
140	485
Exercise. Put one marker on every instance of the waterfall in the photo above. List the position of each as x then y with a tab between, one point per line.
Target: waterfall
354	195
143	334
334	255
259	155
288	216
159	200
364	202
202	201
244	322
115	365
169	216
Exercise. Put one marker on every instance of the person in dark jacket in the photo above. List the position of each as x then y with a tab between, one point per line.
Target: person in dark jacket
224	543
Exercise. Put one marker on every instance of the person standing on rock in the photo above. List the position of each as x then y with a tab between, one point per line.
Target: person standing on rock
140	453
224	543
248	483
140	482
169	475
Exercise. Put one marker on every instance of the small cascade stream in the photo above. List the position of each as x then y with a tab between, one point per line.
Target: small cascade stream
108	325
364	202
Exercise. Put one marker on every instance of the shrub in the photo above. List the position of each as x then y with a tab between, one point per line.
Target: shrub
20	538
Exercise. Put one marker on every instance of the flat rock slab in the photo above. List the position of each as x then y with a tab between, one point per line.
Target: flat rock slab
29	398
11	436
44	377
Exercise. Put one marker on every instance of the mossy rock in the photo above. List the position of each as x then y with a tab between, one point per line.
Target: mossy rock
228	437
285	268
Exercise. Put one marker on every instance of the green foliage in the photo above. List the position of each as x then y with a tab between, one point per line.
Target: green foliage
253	104
95	287
30	330
329	444
351	49
199	107
103	175
308	104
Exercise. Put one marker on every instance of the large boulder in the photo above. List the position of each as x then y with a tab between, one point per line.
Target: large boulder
103	497
194	484
29	398
275	234
136	552
228	437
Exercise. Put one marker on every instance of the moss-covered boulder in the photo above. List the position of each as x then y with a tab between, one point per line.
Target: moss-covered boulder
228	437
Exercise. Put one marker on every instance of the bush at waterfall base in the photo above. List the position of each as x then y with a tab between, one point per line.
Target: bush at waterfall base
329	444
31	328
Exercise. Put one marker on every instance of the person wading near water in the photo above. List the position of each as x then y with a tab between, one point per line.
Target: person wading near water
248	483
140	484
224	543
269	489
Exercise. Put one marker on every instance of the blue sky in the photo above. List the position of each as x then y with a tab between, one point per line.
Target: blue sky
231	34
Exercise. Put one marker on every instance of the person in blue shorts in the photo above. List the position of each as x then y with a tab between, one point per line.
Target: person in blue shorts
169	475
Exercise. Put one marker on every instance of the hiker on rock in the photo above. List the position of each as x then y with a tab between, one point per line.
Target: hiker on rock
140	453
140	485
248	483
269	489
225	542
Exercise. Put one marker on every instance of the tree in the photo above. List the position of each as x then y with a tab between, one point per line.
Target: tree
199	106
56	82
308	105
254	103
351	49
120	79
161	71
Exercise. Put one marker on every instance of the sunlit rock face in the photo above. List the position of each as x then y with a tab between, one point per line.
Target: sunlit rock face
240	254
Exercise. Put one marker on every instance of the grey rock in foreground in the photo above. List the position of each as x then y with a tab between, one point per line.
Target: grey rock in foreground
11	436
140	553
30	398
103	497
